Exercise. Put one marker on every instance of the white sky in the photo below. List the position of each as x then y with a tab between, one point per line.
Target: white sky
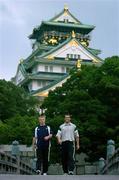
19	17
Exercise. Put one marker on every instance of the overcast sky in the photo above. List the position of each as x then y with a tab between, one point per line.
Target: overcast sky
19	17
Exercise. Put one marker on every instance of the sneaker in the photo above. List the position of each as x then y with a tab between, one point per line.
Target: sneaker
38	171
44	174
70	173
65	174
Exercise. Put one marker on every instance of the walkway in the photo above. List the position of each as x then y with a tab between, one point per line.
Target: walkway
60	177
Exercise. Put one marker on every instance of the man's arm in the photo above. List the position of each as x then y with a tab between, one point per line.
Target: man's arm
59	140
77	143
58	136
34	143
46	138
77	139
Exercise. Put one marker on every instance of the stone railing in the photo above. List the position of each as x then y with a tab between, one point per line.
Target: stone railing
112	164
13	165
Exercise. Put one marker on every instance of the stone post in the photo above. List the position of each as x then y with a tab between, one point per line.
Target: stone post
34	164
110	148
101	164
16	153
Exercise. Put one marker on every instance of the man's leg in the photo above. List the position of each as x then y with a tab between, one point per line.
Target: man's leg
71	157
45	160
39	159
64	157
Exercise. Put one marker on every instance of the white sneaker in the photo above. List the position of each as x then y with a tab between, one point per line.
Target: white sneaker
38	171
44	174
70	173
65	174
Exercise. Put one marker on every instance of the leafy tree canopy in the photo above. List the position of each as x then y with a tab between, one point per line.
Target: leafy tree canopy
92	98
18	115
14	100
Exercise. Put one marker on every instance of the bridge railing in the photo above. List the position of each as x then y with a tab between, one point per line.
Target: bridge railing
112	164
13	165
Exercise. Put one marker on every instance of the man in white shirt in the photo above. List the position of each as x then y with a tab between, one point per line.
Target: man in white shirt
67	135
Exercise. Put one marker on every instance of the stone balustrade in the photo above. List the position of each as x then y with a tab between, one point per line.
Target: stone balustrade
13	165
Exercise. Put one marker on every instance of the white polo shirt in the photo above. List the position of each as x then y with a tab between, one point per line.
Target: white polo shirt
67	132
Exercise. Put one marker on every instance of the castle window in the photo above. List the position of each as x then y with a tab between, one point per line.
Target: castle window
63	69
66	20
73	56
46	68
78	56
39	83
51	68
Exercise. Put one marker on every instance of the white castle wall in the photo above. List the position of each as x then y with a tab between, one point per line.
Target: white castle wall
37	84
64	17
49	68
73	49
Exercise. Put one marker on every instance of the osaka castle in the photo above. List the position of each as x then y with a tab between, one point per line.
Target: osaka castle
57	46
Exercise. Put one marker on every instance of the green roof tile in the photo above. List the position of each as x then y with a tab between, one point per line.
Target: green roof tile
75	25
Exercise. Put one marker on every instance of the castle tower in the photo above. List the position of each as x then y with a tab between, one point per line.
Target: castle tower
57	46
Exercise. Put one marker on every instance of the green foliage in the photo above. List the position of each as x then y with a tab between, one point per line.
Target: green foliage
14	100
17	114
17	128
92	97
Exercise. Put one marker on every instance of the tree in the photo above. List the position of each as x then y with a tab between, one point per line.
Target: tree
18	114
14	100
18	128
92	97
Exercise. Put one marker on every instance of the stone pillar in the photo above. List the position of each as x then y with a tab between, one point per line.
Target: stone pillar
110	148
101	164
33	162
15	148
16	153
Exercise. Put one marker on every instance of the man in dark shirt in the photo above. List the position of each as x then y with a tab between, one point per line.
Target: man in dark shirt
41	142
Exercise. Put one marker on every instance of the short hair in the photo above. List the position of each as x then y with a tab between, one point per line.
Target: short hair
67	114
41	115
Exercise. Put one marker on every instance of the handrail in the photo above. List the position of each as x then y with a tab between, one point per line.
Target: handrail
112	164
14	165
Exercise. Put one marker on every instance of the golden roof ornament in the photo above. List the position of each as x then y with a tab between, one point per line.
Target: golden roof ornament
78	64
65	7
73	34
84	42
50	57
53	41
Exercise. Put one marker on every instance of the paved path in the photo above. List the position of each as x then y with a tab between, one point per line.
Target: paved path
60	177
